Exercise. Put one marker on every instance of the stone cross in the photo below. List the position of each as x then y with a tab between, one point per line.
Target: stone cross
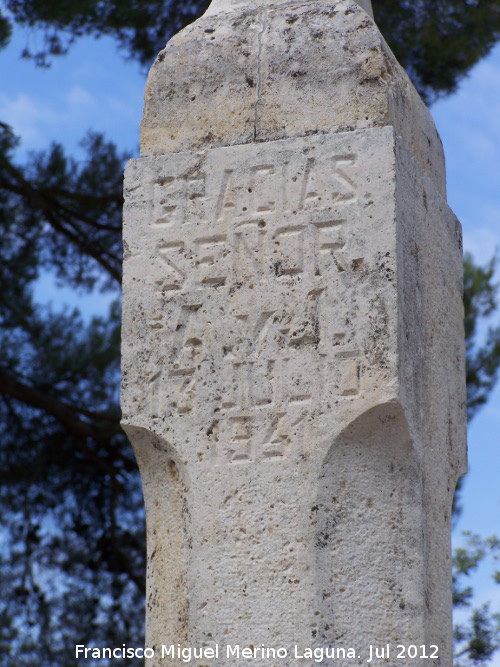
293	355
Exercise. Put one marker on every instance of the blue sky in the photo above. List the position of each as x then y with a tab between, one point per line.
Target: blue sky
95	88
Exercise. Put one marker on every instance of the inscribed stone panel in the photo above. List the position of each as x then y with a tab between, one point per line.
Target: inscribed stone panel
266	304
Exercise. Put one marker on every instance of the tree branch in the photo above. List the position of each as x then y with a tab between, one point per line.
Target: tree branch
67	415
50	208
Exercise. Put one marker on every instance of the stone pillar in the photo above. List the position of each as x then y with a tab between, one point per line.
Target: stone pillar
293	356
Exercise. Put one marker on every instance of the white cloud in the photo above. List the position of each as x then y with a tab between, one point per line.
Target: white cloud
38	122
80	97
90	88
487	76
492	214
481	145
48	292
27	116
481	242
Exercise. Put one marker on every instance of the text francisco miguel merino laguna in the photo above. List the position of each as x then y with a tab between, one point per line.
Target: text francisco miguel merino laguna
318	654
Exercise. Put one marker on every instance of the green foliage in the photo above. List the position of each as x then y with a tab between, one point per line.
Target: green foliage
477	640
481	638
438	41
480	301
5	31
141	27
72	559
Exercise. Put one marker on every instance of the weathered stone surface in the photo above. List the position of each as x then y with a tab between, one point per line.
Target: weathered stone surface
219	6
280	70
293	362
293	386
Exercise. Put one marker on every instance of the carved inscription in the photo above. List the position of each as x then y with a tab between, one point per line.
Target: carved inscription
280	228
272	221
273	369
176	199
